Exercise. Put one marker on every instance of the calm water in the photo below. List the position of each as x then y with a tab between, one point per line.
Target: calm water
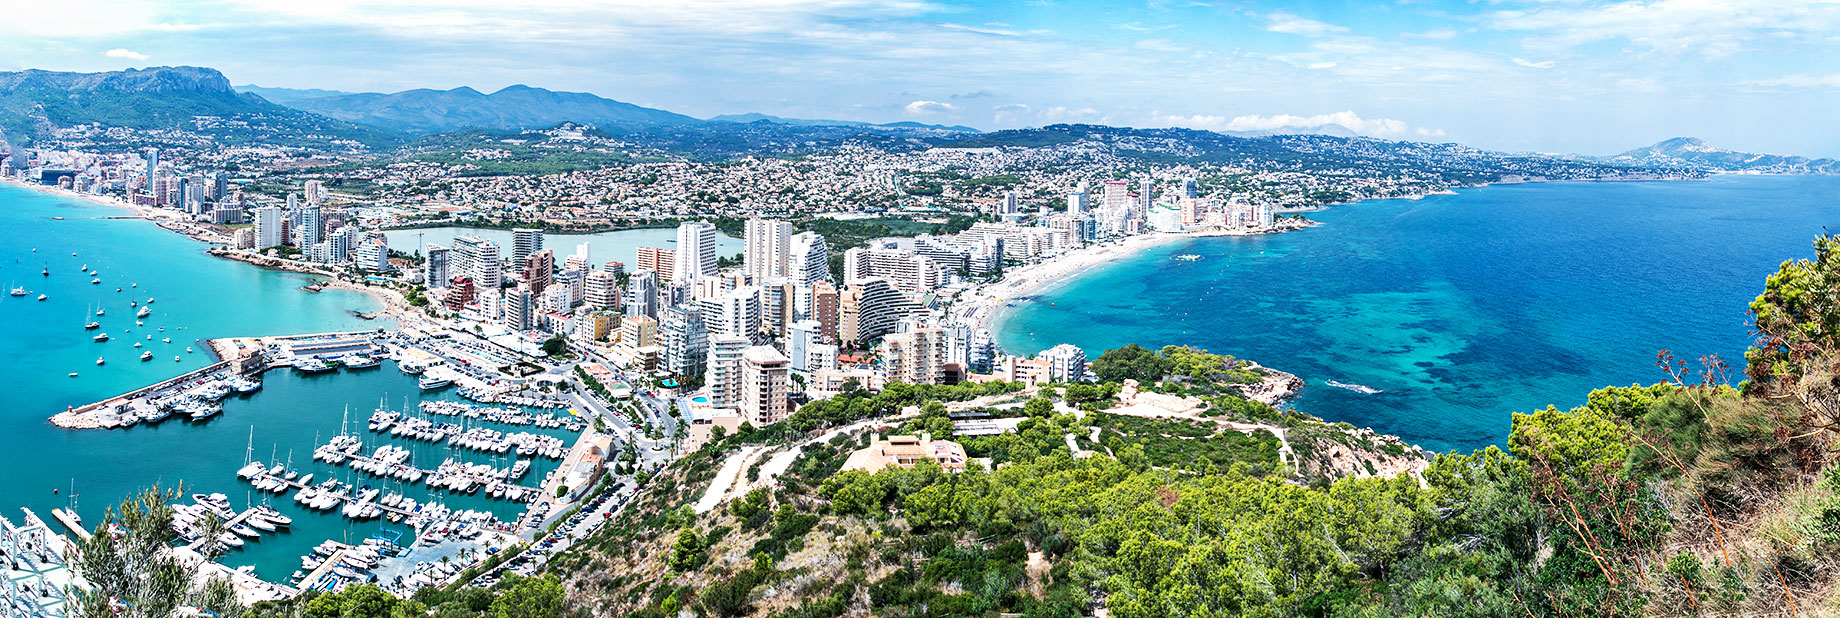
45	341
621	246
1462	308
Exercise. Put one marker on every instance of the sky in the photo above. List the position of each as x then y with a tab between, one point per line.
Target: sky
1524	75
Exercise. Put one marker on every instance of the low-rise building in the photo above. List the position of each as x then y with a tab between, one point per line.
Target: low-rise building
907	452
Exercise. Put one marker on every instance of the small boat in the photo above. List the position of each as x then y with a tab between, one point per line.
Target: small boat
73	374
166	340
100	337
144	312
99	312
93	325
20	291
42	297
146	356
358	361
149	300
95	281
312	365
1365	390
99	360
429	383
175	359
137	344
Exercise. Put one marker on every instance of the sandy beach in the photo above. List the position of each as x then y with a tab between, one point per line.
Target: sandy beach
978	306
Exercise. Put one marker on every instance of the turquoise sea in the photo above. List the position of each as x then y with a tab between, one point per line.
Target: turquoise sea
1462	308
44	341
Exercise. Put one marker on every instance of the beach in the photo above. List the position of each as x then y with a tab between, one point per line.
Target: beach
979	305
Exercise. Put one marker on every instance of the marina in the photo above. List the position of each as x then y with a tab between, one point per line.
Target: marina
229	391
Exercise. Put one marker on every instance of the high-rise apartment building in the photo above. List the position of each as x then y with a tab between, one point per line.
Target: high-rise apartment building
660	261
538	266
642	294
685	340
768	245
917	356
519	305
906	269
722	372
762	392
808	259
268	227
435	273
525	241
825	308
734	313
871	308
601	290
1066	363
696	252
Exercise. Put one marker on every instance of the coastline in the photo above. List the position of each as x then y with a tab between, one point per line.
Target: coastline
390	302
980	305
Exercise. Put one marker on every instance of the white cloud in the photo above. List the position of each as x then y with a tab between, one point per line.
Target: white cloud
1160	45
1534	65
1376	127
1292	24
1009	114
1322	65
929	108
125	54
1440	34
981	30
1709	28
1798	81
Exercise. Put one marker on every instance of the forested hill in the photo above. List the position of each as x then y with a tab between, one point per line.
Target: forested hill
1682	498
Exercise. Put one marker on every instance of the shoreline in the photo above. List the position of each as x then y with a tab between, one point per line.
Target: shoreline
390	302
981	305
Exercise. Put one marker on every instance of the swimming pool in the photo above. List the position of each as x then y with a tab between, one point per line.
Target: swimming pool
699	399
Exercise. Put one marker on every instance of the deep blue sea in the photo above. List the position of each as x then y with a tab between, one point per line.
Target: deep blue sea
1462	308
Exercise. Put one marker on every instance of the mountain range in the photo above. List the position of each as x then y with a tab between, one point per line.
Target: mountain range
1692	152
518	107
35	104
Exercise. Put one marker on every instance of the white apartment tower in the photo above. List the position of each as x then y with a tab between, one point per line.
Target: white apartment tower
696	252
769	243
268	227
808	259
722	373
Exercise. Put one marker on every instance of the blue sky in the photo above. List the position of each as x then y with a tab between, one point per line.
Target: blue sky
1553	75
